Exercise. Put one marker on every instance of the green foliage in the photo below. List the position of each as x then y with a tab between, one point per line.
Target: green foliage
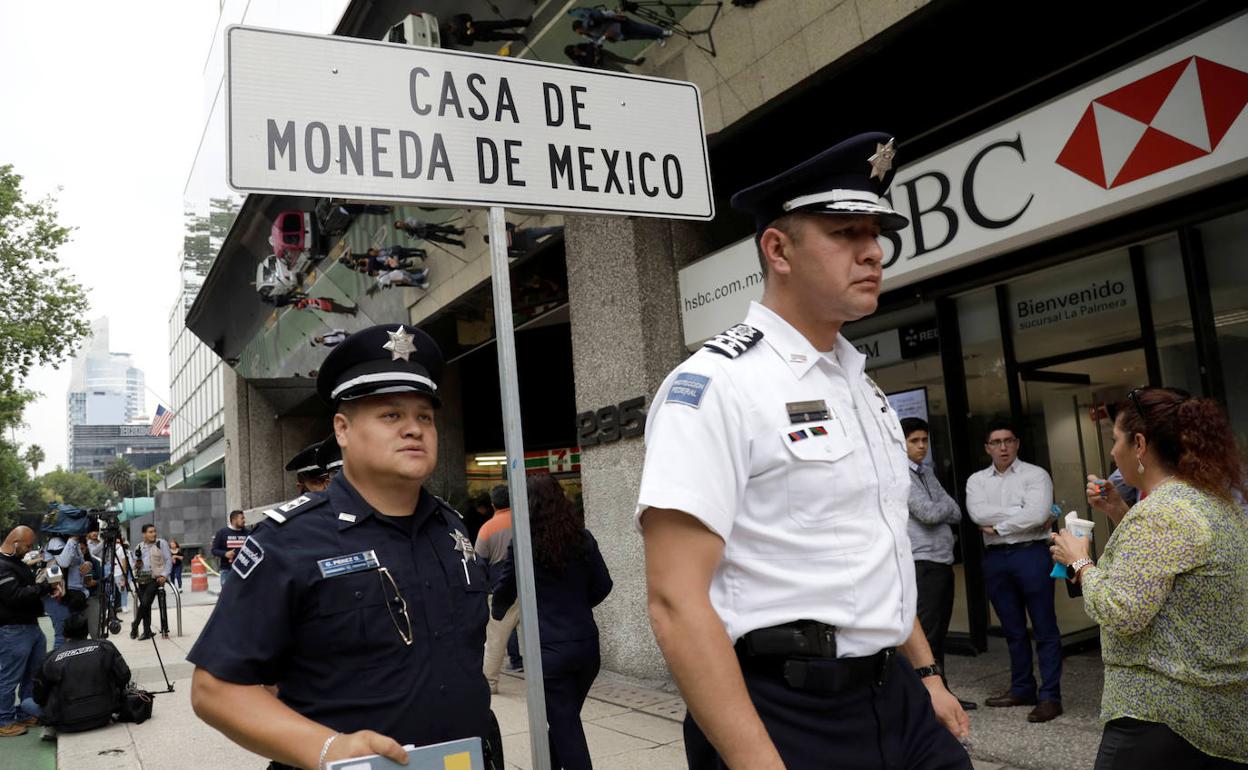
34	457
42	308
119	475
76	489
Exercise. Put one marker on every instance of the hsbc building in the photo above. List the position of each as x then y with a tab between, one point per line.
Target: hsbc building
1081	235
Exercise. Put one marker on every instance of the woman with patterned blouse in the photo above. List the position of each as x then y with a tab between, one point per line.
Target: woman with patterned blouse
1171	589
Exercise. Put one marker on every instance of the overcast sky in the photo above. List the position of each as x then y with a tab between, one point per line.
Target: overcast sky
104	100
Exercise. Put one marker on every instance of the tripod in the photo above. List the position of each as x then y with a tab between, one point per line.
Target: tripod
118	564
663	14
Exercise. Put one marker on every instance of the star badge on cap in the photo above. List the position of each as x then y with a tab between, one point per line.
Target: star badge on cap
882	161
400	345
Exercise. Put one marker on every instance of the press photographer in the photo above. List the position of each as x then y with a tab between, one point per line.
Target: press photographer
21	641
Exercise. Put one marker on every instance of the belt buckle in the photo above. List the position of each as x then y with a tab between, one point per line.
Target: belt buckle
885	671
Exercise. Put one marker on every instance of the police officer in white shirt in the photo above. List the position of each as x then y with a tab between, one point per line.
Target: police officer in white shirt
1010	500
773	506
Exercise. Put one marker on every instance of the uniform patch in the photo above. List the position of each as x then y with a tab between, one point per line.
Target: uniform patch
251	554
347	517
345	565
734	341
298	501
798	435
688	389
818	431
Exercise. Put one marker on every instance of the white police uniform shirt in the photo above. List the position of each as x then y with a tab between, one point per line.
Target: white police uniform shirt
812	512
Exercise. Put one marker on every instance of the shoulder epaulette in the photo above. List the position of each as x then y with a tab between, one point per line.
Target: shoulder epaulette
735	341
444	505
287	511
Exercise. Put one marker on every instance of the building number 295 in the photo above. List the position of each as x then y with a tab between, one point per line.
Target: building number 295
611	423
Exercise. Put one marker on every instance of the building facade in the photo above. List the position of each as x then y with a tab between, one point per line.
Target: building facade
96	447
105	388
1079	214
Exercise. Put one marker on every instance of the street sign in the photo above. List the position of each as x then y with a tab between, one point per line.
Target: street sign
332	116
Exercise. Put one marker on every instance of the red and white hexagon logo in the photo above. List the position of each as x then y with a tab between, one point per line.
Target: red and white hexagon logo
1160	121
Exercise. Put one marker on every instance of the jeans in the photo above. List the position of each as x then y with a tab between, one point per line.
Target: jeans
225	573
22	647
57	613
1019	587
30	707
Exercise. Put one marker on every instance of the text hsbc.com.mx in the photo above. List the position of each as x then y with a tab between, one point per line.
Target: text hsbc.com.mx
727	290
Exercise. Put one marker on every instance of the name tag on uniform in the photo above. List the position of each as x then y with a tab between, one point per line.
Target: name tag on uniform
807	411
345	565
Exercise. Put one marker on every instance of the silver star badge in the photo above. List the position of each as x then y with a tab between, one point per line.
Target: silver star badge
463	544
400	345
882	161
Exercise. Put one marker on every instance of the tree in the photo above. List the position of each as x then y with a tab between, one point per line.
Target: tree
77	489
119	475
34	457
42	308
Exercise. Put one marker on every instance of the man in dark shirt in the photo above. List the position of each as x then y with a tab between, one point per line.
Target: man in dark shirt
80	684
21	641
227	541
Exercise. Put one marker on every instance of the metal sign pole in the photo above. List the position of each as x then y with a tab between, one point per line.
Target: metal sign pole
504	335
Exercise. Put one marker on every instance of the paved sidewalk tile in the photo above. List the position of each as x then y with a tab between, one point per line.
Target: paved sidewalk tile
644	726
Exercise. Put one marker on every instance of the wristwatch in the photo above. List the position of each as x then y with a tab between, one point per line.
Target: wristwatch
926	671
1078	565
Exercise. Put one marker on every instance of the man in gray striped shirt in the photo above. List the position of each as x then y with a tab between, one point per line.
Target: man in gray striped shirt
932	510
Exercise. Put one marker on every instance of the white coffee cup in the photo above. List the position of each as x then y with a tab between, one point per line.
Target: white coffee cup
1080	527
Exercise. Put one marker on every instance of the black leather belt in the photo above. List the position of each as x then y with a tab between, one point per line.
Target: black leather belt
1012	546
803	654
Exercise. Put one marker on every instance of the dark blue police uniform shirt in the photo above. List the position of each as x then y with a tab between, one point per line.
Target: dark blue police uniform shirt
331	645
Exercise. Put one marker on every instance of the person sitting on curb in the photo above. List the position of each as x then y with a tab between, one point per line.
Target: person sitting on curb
80	684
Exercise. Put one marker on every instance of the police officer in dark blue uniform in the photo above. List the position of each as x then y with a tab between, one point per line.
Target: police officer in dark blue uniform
329	456
364	605
310	473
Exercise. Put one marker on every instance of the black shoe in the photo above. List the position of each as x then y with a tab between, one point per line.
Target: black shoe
968	705
134	633
147	635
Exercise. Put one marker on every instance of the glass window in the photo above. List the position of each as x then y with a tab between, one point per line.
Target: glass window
1172	316
1226	256
1077	306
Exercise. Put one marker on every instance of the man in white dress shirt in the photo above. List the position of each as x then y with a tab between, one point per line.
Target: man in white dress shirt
1010	500
773	506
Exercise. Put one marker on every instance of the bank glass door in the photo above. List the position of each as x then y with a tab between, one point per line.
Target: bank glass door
1067	408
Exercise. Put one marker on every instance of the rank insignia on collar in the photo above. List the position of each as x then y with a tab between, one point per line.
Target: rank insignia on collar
734	341
400	344
463	544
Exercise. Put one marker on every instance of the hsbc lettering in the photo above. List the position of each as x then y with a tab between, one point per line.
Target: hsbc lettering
926	209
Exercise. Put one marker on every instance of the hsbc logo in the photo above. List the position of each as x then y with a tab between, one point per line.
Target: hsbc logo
1173	116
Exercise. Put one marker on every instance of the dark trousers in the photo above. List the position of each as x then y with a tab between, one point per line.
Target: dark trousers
489	31
150	591
1019	587
1129	744
935	603
568	671
868	727
513	649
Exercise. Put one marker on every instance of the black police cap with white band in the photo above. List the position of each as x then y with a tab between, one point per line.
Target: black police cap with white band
390	358
305	462
329	454
850	178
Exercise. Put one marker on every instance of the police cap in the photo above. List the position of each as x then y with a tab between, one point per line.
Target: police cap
329	454
390	358
305	463
850	178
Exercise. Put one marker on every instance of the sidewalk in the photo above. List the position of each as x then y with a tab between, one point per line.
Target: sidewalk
628	727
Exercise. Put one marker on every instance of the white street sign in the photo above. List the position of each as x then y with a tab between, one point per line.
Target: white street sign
316	115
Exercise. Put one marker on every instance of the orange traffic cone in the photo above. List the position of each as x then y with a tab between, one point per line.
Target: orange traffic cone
199	575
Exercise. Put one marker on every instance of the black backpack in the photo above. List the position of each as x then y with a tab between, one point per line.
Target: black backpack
136	705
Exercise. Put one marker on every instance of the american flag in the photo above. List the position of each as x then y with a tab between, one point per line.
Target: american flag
160	425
